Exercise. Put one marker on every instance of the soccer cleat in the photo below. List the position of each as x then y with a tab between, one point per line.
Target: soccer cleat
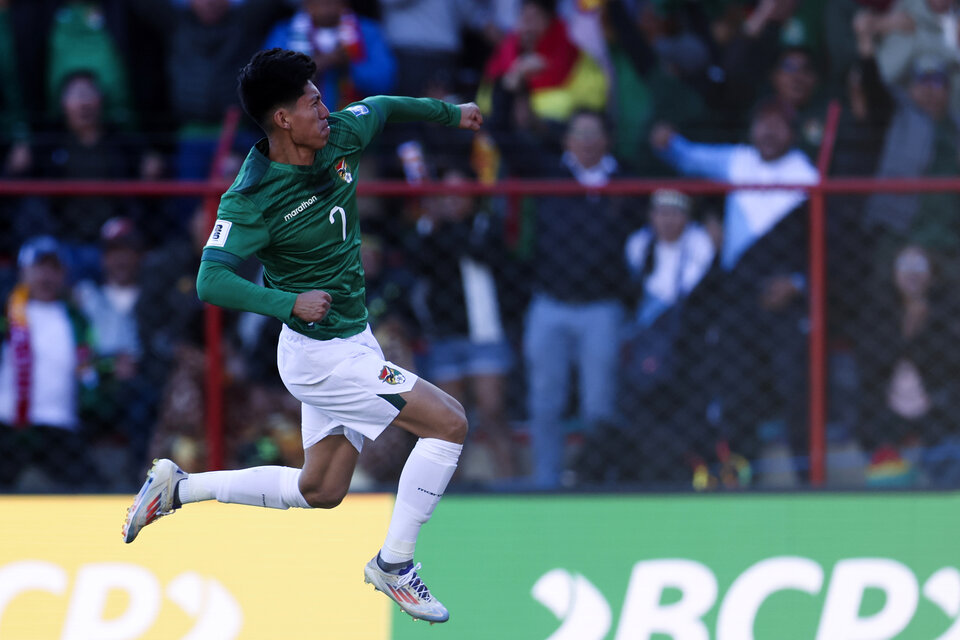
407	590
155	499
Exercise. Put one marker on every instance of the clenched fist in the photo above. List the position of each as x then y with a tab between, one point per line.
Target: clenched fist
470	116
312	306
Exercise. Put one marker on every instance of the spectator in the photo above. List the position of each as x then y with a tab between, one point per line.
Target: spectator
392	319
749	44
206	42
912	29
171	336
667	259
125	400
15	157
760	277
909	388
538	63
868	107
426	38
29	23
750	47
923	139
650	72
89	148
389	293
82	38
353	60
44	366
769	158
468	355
840	39
796	85
576	313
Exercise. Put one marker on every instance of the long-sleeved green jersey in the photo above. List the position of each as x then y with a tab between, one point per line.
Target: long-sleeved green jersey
301	222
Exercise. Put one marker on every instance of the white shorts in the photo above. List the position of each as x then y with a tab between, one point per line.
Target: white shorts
345	384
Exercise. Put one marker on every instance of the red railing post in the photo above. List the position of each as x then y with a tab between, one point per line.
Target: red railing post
818	305
213	315
213	384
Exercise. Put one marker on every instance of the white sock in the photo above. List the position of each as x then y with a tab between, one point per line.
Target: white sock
273	487
422	482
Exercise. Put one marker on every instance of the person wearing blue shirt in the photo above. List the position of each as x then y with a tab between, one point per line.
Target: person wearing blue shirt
352	56
751	371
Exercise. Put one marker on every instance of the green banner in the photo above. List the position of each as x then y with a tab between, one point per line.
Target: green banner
719	567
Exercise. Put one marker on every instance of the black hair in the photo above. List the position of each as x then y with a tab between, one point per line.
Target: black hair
605	123
797	49
79	74
773	107
273	77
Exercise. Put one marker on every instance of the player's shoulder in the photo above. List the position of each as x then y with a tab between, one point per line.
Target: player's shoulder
357	110
354	123
238	206
253	170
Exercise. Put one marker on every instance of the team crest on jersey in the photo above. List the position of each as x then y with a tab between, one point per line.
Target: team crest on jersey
343	170
391	376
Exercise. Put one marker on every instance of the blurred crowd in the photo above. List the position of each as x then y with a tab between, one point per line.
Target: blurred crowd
594	340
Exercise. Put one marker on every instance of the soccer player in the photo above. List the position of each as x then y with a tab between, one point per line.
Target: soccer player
293	204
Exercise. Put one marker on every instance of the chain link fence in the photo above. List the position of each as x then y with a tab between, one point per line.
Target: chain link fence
596	340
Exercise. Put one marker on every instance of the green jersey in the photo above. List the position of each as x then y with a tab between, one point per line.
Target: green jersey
301	222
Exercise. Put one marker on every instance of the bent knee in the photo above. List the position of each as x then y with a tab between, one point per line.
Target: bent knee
454	428
324	497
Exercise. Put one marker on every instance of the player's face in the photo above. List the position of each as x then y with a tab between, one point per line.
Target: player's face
308	120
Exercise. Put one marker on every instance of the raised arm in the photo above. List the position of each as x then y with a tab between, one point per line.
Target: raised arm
691	158
402	109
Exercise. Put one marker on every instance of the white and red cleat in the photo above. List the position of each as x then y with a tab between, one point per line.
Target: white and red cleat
155	499
407	590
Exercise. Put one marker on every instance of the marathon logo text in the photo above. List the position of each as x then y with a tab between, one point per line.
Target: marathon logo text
303	205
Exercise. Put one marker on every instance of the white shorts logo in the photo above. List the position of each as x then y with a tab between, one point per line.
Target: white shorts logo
358	110
218	237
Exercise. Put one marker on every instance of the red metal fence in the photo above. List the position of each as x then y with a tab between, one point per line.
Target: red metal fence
514	191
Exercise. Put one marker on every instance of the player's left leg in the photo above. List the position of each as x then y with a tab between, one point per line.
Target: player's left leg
441	424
